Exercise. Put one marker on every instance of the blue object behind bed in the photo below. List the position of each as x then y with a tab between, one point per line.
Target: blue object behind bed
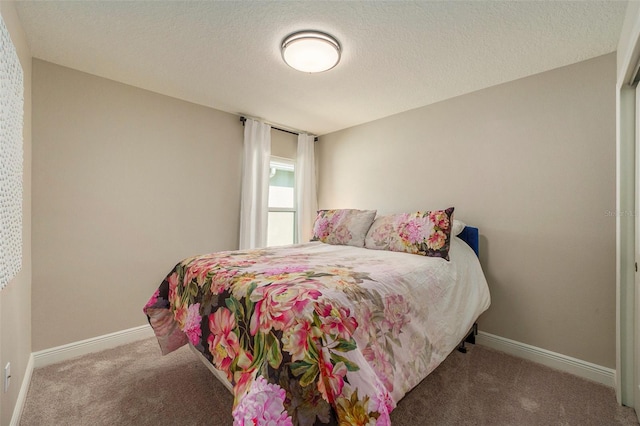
470	236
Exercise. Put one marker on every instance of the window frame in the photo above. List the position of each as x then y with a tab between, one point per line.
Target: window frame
285	164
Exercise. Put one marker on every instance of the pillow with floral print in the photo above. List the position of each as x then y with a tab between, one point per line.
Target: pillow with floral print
424	233
343	226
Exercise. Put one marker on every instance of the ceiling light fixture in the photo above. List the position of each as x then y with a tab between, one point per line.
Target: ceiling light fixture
310	51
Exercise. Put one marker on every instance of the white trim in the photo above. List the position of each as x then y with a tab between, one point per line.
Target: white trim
95	344
628	51
580	368
577	367
628	55
22	395
282	163
72	350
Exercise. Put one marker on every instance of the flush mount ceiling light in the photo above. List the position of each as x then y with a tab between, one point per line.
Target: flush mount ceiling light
310	51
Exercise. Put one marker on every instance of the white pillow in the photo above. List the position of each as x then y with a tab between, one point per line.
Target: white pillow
458	227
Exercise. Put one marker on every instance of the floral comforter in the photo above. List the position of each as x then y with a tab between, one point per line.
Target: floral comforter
314	332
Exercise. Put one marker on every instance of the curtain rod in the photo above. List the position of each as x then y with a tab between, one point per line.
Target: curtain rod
243	119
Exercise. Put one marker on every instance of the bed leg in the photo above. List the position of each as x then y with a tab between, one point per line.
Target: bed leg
471	338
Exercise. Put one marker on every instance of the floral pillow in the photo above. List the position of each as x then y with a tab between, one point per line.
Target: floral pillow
424	233
343	226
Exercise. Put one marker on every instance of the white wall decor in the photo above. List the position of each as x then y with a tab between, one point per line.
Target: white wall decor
11	154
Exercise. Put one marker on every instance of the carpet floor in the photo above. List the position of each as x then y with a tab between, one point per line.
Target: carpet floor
134	385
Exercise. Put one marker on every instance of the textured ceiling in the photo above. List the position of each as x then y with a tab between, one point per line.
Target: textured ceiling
396	55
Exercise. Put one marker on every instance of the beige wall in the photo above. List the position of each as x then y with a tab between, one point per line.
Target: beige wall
15	299
126	183
284	144
532	164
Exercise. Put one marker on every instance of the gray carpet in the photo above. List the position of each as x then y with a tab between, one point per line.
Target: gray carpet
135	385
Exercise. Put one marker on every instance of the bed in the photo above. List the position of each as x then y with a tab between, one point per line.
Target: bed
318	332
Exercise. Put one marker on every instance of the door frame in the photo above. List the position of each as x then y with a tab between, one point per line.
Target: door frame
627	209
631	302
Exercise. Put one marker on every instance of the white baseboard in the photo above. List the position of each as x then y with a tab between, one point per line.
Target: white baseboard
22	395
577	367
72	350
580	368
95	344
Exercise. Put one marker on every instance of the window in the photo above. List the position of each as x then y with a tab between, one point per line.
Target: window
281	225
11	158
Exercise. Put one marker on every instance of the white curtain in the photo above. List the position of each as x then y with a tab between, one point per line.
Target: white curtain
306	198
11	158
254	207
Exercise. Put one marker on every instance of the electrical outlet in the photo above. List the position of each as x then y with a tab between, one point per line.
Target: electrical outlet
7	376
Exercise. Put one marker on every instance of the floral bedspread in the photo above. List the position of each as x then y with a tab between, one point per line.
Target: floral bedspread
315	332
